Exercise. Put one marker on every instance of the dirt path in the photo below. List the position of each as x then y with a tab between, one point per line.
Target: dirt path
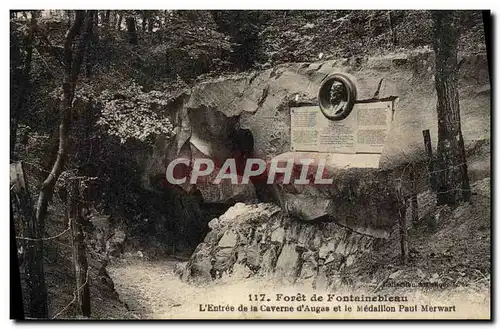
149	288
152	291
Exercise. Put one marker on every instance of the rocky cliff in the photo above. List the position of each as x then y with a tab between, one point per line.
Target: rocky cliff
448	246
214	111
248	115
261	239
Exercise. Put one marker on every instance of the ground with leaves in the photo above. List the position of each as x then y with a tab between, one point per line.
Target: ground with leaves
449	252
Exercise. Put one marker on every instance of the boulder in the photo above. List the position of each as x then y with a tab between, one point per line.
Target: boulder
276	245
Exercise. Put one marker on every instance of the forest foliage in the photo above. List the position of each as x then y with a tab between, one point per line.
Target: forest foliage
138	62
135	65
164	50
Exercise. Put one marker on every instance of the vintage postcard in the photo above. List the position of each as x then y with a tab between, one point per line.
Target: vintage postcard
250	164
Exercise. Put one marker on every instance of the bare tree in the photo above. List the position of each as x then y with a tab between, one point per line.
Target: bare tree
33	266
22	77
32	243
72	61
453	181
131	30
79	250
119	21
105	22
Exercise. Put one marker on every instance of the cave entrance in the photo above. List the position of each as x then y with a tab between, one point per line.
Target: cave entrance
176	221
172	222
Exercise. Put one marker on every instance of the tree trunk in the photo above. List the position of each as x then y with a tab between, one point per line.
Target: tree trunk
453	181
393	30
73	63
430	158
69	17
403	235
119	23
151	23
22	77
93	41
79	253
16	295
131	30
105	22
414	194
33	245
99	17
144	22
94	27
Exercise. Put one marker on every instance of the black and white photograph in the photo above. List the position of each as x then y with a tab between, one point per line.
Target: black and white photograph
171	164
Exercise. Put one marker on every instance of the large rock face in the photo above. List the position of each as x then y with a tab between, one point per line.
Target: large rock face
250	113
249	116
260	239
214	111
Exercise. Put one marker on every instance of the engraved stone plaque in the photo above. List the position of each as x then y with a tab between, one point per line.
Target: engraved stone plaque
363	131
